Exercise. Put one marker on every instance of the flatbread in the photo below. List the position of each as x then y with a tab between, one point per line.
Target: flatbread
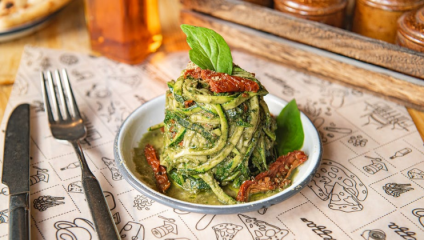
14	13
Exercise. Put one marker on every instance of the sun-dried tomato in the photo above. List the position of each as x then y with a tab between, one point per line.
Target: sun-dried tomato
245	107
275	177
161	176
284	165
222	82
188	103
194	72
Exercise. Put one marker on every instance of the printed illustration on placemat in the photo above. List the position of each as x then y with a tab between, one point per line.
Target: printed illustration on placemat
336	183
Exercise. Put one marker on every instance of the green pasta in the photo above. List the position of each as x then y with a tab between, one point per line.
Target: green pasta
219	138
215	140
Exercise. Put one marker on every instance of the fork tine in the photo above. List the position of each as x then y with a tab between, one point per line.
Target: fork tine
71	96
53	97
46	98
62	94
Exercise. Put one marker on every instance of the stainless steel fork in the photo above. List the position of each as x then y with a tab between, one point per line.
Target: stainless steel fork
67	124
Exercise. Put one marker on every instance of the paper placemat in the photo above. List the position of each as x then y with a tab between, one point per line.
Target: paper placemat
370	184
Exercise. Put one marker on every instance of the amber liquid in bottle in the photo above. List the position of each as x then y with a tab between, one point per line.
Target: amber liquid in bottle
124	30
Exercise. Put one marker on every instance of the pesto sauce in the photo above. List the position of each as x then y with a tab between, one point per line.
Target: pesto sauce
144	170
146	175
155	138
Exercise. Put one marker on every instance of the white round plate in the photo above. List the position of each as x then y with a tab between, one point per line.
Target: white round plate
153	112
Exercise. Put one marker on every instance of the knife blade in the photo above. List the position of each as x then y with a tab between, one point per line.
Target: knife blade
16	172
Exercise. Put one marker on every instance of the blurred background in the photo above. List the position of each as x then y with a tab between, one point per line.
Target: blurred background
372	32
68	31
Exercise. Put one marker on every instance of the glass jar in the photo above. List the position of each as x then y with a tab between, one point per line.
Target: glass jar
330	12
350	8
378	18
123	30
410	33
265	3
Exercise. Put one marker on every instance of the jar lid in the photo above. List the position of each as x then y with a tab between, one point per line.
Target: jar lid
311	7
395	5
411	26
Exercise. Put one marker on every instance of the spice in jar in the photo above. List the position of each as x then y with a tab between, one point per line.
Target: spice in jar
410	33
125	30
330	12
378	18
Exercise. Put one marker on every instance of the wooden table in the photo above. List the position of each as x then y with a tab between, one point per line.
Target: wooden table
68	31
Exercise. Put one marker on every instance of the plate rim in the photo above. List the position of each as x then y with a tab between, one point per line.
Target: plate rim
203	208
29	27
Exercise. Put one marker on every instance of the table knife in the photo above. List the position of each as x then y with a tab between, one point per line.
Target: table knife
16	172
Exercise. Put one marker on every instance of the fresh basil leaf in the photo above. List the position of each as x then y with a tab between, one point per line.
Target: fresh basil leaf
208	49
289	131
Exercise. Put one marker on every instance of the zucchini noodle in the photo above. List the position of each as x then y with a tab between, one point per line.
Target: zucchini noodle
214	141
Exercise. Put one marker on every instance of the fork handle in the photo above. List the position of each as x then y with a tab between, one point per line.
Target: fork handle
103	220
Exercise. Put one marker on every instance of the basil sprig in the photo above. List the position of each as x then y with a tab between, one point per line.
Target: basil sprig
208	49
289	131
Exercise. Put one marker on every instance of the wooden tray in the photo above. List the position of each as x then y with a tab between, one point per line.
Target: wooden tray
375	66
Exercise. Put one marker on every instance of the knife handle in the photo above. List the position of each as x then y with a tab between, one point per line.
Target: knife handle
19	217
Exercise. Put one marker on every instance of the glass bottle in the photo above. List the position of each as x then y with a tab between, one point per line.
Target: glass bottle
330	12
123	30
401	153
378	18
71	166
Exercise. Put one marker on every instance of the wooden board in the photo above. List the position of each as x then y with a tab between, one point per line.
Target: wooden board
315	34
402	89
